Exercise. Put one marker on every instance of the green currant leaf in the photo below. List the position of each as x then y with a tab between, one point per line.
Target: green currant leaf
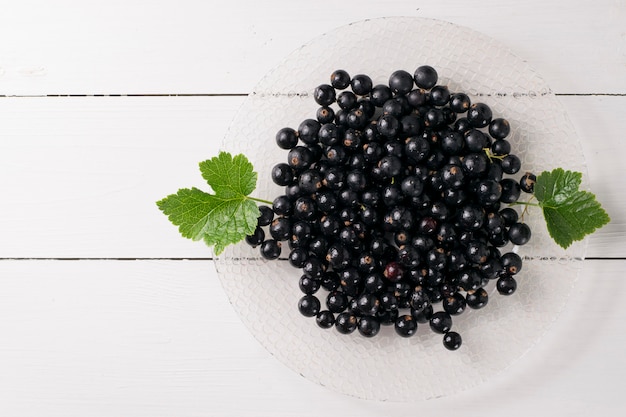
223	218
570	213
229	176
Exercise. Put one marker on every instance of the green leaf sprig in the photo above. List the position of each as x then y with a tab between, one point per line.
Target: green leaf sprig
230	214
222	218
570	213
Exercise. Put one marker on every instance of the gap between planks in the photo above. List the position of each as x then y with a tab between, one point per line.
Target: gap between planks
236	95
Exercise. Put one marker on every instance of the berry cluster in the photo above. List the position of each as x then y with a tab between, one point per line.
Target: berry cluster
392	205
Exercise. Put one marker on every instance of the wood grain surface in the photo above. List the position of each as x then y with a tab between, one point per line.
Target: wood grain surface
107	106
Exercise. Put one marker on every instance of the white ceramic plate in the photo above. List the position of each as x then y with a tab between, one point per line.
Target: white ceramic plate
387	367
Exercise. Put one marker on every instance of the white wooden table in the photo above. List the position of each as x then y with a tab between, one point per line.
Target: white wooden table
106	107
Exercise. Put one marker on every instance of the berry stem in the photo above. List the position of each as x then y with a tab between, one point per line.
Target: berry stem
525	203
259	200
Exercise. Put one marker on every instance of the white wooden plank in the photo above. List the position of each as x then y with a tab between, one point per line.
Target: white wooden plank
82	175
159	338
187	46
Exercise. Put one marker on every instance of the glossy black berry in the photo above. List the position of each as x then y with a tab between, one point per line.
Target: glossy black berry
401	82
501	147
282	174
266	215
479	115
256	238
309	305
337	301
330	134
460	102
455	304
511	190
452	341
347	100
361	84
380	94
368	326
511	262
280	228
308	285
506	285
325	319
346	322
477	299
509	216
405	325
310	181
270	249
325	114
388	125
324	94
499	128
390	166
511	164
440	322
519	233
308	129
439	95
476	140
286	138
425	77
340	79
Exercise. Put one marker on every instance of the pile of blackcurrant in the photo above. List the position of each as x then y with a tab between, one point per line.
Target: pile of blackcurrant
395	205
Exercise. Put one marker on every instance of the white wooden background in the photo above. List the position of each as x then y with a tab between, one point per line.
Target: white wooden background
107	106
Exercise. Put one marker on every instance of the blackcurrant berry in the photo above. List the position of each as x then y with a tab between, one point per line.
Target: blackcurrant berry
324	94
270	249
499	128
506	285
340	79
425	77
361	84
380	94
511	164
308	285
308	130
280	228
346	323
309	305
519	233
346	100
325	319
479	115
501	147
405	325
439	95
369	326
477	298
455	304
511	190
440	322
266	215
256	238
282	174
388	125
460	102
452	341
310	181
325	115
401	82
337	301
286	138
